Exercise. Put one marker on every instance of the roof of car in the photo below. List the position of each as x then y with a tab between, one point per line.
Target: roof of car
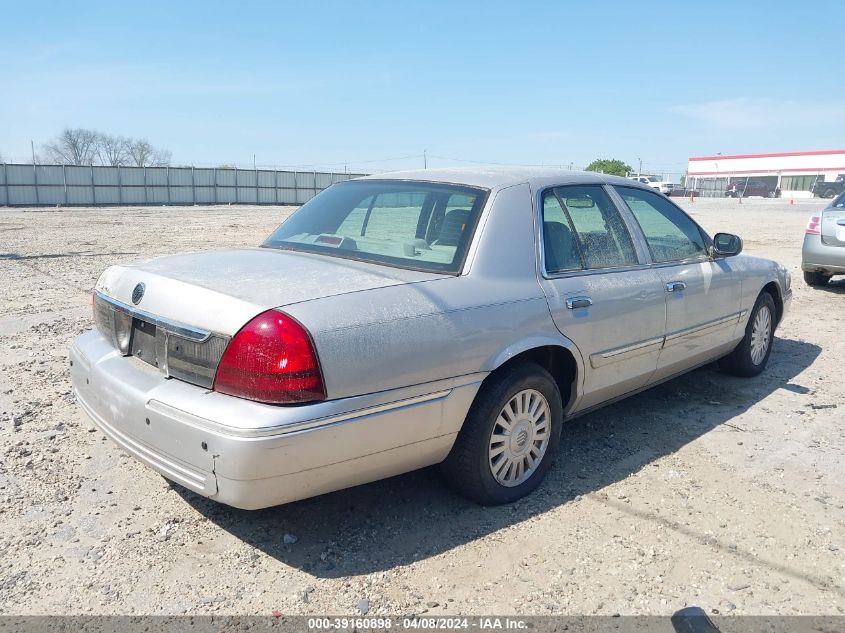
499	177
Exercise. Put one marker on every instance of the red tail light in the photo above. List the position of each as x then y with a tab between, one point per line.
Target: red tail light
271	359
814	225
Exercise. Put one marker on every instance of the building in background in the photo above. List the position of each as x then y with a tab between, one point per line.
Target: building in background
792	174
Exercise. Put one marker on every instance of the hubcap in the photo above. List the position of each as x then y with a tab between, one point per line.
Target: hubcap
761	333
520	437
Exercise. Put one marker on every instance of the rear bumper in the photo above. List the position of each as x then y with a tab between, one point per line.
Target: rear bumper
250	455
816	256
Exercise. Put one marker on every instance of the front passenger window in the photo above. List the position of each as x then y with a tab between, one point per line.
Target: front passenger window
671	234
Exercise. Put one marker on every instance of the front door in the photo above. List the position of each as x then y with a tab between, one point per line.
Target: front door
602	296
703	296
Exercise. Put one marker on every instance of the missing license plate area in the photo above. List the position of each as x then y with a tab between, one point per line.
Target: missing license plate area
144	341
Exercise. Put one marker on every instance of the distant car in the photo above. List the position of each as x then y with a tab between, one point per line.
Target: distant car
681	192
823	254
655	182
415	318
749	188
829	189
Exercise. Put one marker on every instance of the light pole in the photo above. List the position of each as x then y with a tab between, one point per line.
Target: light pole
640	170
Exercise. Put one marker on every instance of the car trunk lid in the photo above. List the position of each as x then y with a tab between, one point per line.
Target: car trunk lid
833	227
179	313
220	291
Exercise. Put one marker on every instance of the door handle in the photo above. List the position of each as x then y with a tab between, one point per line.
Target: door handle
578	302
675	286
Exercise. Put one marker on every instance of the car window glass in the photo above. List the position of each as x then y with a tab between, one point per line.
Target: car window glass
559	246
391	213
355	220
582	221
670	233
426	226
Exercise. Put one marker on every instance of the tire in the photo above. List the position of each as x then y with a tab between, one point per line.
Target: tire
816	279
829	193
469	468
749	358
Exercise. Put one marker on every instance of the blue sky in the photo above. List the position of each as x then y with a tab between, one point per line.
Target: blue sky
354	83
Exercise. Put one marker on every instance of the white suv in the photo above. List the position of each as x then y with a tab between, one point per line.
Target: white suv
654	181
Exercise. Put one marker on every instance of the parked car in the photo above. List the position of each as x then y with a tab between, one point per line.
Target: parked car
655	182
829	189
823	253
749	188
415	318
682	192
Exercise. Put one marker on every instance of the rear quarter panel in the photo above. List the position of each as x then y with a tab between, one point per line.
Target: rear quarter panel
418	333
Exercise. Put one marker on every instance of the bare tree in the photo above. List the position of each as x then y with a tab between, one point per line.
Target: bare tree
161	158
142	153
74	146
113	150
79	146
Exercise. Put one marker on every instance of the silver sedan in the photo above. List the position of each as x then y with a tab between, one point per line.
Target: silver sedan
823	253
457	317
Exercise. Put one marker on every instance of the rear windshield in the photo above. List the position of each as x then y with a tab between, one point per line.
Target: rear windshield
407	224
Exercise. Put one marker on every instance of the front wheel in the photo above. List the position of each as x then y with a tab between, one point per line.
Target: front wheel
510	436
750	357
829	193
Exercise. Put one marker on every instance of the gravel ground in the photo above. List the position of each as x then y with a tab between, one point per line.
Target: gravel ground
710	490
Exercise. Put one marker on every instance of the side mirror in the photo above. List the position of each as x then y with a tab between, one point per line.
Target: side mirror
727	244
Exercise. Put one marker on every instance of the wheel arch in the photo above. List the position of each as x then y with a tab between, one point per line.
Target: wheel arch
773	288
558	356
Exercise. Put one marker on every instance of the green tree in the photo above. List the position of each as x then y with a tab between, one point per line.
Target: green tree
611	166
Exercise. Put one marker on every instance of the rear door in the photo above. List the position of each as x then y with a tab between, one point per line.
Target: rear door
602	294
702	296
833	223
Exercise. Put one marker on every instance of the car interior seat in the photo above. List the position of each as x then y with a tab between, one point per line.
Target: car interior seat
560	248
453	226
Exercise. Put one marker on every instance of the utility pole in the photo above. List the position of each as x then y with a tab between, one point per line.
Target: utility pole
425	159
640	171
32	145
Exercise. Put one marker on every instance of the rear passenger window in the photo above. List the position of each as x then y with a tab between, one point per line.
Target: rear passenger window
559	246
670	233
582	229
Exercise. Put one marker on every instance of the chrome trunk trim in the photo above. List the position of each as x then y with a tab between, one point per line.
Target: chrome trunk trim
181	351
173	327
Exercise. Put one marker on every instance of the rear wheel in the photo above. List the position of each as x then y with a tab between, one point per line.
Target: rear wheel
829	193
815	278
749	358
510	437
